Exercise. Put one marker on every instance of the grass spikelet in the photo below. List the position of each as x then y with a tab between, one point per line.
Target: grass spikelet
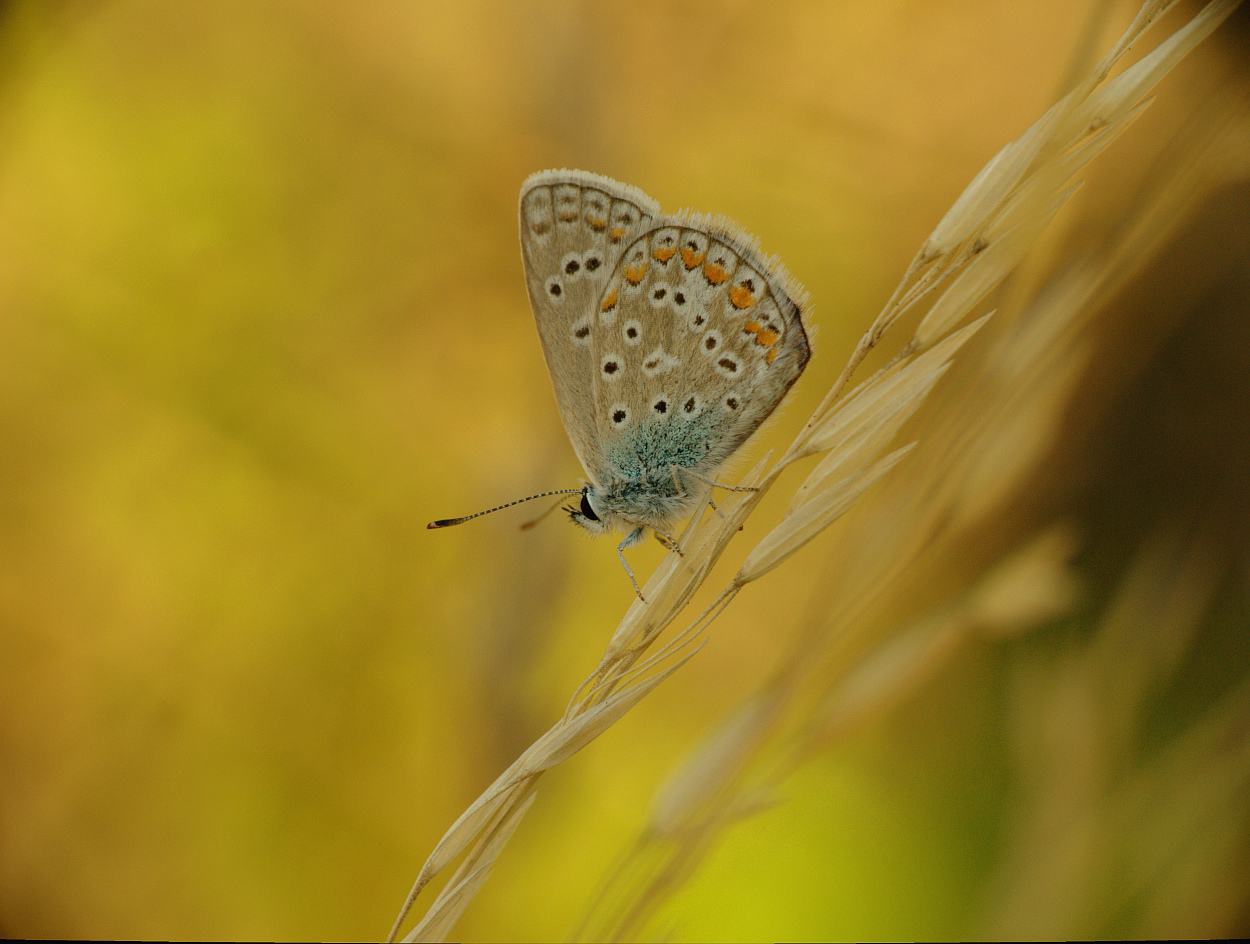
990	188
812	517
451	902
873	413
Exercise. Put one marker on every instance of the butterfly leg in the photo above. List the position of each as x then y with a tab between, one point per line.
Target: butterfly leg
677	470
630	540
716	484
681	486
668	541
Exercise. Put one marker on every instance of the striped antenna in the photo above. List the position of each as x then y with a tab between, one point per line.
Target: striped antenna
448	522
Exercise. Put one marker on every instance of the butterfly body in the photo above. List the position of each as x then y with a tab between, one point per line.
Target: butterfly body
669	340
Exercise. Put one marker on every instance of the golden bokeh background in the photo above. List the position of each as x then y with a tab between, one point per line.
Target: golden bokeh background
262	318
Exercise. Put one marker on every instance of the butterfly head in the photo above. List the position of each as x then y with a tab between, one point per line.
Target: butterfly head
589	513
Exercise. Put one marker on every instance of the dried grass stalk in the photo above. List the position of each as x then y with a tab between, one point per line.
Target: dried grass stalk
979	241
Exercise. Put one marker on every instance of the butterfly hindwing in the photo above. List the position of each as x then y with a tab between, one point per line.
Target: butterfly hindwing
696	340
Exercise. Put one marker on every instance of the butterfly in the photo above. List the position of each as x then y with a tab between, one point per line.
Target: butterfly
669	340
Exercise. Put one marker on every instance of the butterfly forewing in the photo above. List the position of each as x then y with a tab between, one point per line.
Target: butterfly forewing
574	228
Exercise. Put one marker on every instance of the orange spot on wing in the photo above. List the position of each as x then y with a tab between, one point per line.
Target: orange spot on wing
567	217
610	302
772	356
634	273
766	338
616	233
740	297
690	258
663	253
751	327
714	273
597	223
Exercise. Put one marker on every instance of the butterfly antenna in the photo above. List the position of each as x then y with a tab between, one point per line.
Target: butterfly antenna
448	522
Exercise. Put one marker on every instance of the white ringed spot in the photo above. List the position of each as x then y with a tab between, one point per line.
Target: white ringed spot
571	266
553	288
728	365
580	330
658	361
592	264
660	294
664	245
612	367
710	343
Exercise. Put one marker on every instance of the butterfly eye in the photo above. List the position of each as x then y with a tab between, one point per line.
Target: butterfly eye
587	510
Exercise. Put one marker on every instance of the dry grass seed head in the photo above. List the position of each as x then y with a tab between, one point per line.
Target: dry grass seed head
995	220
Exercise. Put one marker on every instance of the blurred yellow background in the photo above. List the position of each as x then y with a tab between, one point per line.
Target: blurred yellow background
262	318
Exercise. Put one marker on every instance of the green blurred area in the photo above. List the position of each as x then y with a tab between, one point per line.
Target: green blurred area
262	318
